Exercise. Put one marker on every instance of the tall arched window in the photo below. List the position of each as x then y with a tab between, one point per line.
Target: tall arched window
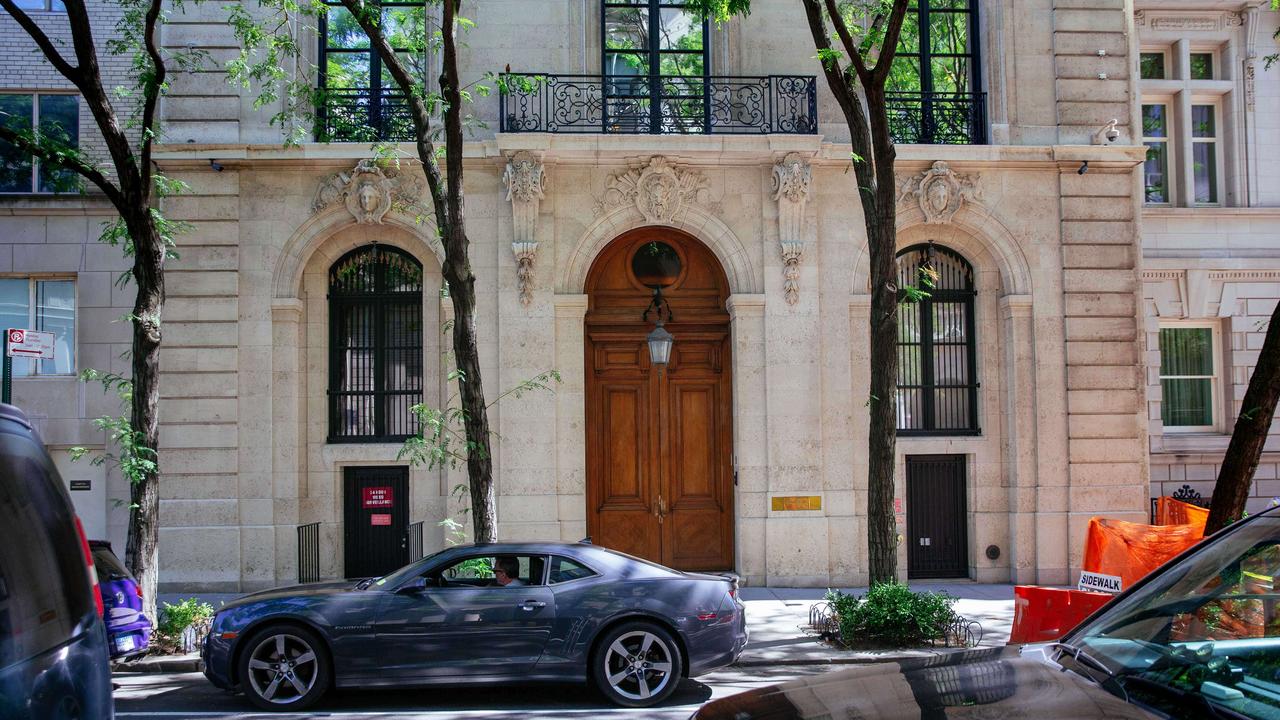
375	341
655	66
937	378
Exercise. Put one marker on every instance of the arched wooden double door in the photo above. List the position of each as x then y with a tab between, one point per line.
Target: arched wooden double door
659	444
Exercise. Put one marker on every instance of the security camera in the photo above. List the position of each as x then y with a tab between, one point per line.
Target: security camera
1107	134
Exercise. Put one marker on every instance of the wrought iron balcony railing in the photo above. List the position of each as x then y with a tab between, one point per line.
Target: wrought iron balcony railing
671	105
926	118
360	115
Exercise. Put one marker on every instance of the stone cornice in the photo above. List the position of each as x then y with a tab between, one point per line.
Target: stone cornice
689	151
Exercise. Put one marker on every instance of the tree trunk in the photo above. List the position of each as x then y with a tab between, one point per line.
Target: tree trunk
882	243
484	516
1250	434
142	549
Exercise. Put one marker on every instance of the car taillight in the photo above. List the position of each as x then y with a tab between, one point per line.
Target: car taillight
138	588
88	563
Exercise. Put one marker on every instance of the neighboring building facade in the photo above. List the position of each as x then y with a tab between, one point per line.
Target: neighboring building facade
304	314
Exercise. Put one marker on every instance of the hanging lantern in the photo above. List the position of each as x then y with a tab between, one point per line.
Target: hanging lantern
660	342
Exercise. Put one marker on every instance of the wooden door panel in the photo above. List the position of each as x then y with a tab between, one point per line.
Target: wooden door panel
623	446
693	442
698	520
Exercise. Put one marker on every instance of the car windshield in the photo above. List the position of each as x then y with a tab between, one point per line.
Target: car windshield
1204	635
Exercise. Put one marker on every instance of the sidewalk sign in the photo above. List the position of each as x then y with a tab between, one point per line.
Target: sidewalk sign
18	342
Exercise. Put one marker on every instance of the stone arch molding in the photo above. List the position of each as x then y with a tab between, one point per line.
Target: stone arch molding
343	201
688	215
974	231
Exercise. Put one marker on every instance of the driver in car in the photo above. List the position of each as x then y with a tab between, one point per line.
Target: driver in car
506	572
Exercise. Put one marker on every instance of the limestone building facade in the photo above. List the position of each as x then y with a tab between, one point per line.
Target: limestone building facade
305	310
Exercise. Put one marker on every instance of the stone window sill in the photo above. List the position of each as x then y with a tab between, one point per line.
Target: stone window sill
1195	442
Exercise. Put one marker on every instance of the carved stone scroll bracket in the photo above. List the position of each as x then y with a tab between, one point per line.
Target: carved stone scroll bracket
370	191
792	189
526	181
940	192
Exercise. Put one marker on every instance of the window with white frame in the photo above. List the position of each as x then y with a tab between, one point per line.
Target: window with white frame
1155	135
42	304
1184	125
1189	377
54	116
1204	154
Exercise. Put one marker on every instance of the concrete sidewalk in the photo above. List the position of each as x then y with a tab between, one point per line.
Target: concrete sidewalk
777	619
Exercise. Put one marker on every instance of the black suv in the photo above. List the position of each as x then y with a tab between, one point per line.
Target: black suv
53	646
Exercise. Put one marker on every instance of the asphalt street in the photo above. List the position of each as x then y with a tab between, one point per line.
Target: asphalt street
189	695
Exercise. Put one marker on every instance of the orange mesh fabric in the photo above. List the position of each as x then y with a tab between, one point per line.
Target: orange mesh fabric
1131	550
1176	512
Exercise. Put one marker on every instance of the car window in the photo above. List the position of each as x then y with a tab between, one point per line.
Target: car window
563	570
493	571
46	589
108	565
1208	625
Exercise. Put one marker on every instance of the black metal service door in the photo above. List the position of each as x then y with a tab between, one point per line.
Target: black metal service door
937	521
376	520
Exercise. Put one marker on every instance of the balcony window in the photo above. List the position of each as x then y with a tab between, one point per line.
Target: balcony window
361	102
933	89
655	67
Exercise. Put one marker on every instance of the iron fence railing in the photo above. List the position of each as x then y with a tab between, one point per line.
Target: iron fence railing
937	118
415	541
1186	494
361	115
658	105
309	552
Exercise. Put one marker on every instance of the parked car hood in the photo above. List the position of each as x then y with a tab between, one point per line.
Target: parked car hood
309	590
978	684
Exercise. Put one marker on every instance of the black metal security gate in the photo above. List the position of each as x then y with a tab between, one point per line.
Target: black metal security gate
937	519
376	520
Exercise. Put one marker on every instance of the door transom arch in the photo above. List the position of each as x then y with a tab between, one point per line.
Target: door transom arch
659	441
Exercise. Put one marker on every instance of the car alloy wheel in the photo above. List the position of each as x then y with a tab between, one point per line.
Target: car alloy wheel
640	665
284	669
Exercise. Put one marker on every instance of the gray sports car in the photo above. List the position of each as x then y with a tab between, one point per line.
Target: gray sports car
502	613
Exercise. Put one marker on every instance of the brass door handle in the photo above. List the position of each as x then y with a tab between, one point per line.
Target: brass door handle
660	510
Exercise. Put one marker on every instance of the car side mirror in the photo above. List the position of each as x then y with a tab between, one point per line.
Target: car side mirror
414	586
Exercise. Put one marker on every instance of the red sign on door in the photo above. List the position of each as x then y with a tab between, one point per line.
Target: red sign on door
380	519
376	497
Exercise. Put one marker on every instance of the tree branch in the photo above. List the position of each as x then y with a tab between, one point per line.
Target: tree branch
415	96
846	39
84	169
151	94
43	42
889	46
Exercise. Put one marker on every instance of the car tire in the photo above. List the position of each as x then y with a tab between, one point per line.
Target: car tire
284	668
637	664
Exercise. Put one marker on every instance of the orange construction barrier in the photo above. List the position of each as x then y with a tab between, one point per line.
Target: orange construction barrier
1176	512
1043	614
1131	550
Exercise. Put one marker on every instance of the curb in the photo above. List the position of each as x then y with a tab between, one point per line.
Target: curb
160	664
848	660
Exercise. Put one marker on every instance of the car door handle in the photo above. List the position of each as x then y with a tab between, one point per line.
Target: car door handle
531	605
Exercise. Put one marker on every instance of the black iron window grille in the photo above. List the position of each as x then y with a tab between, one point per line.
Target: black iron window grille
784	104
937	355
358	99
934	89
375	356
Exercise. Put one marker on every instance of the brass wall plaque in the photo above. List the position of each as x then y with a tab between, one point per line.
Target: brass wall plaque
792	503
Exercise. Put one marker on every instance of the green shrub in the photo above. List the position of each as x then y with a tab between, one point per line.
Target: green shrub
891	614
176	618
